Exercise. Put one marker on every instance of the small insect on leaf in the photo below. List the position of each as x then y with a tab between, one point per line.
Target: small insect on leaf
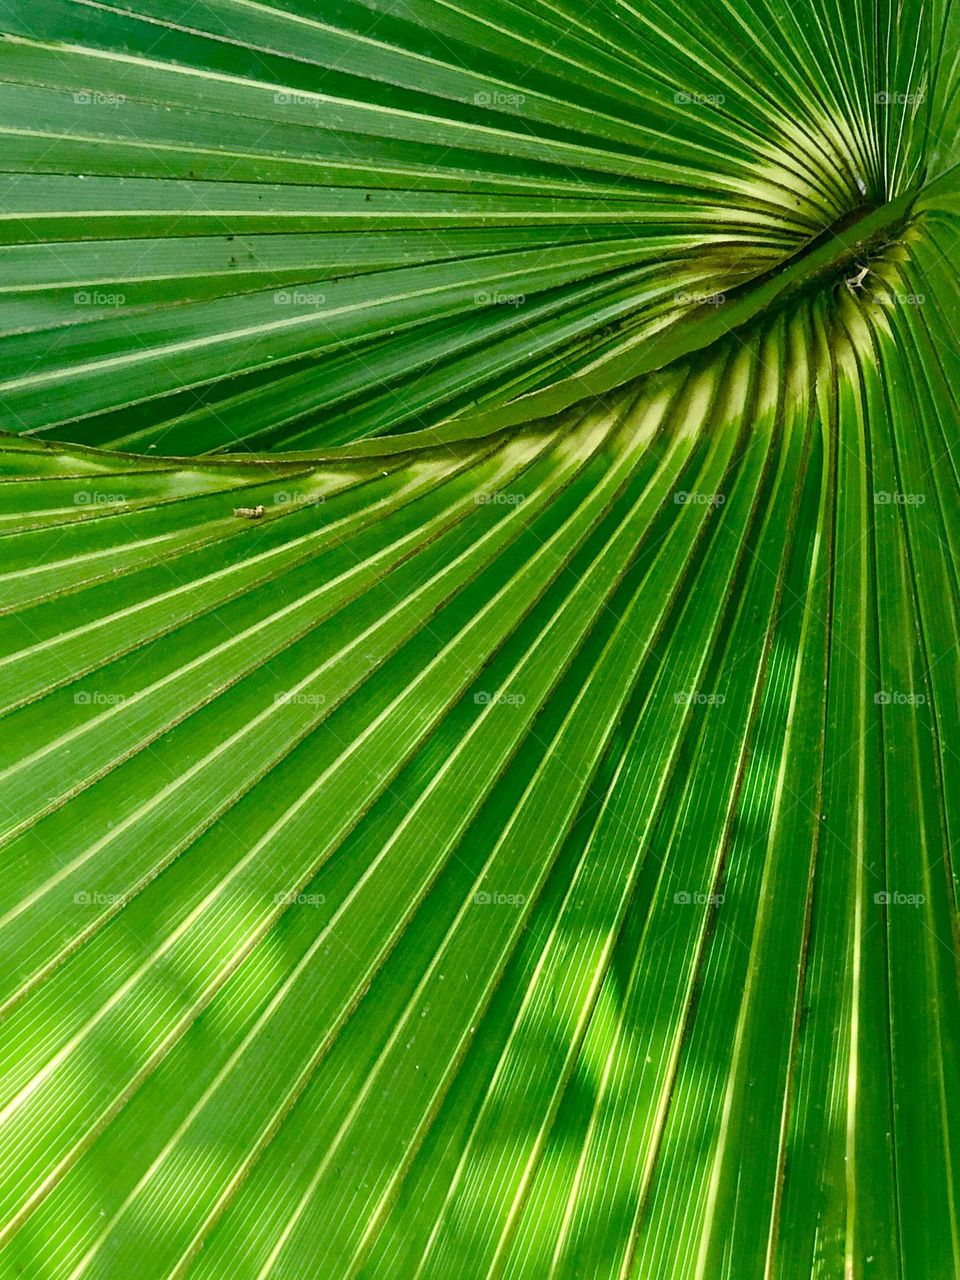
249	513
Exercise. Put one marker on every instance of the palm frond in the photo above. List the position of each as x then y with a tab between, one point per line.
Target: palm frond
479	640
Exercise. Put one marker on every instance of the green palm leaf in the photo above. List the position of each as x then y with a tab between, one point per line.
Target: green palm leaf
479	640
